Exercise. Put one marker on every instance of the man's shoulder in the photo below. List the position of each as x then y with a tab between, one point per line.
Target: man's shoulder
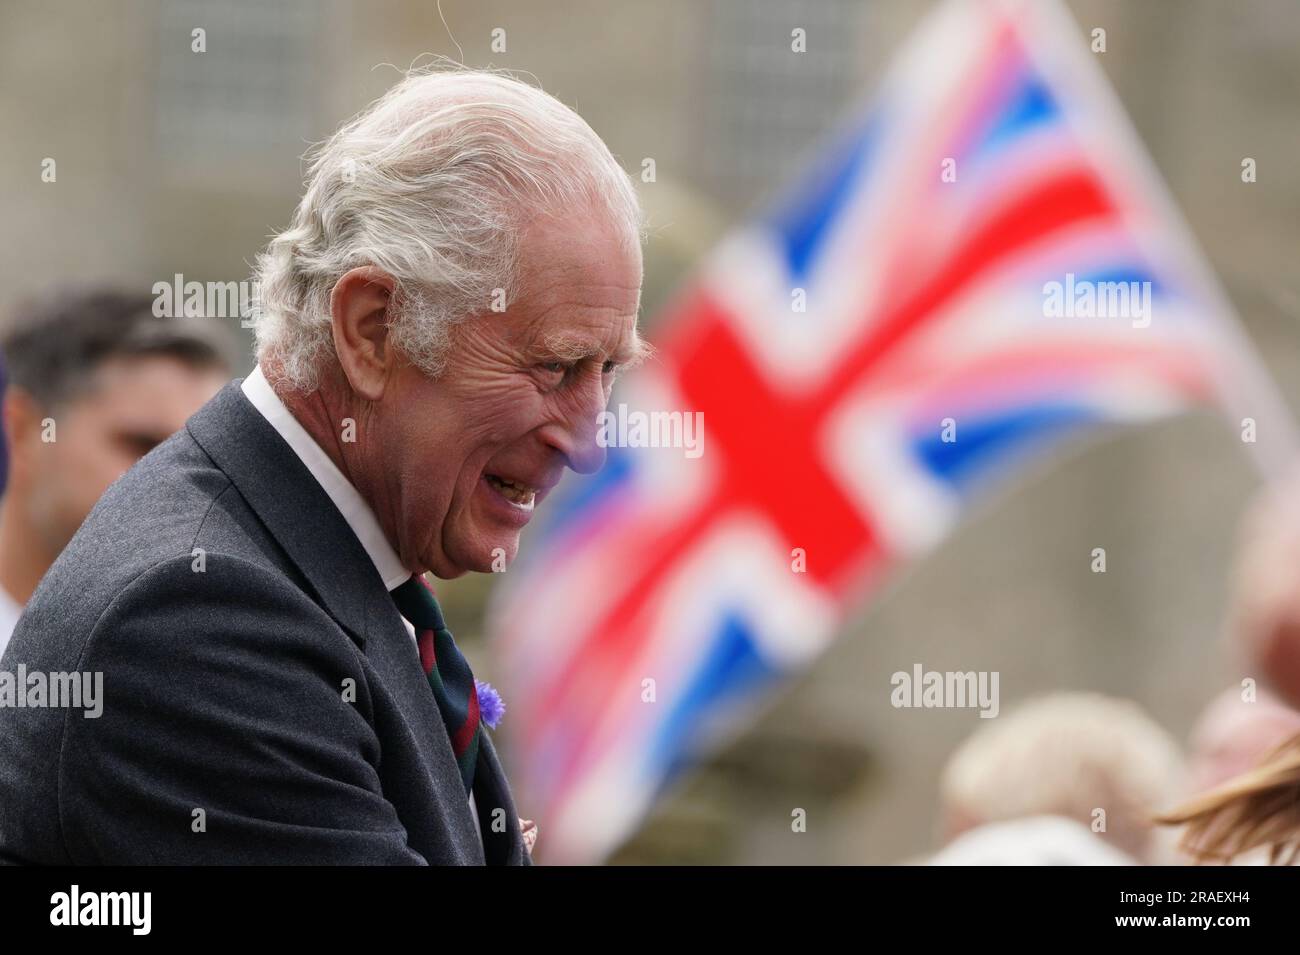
158	505
159	527
182	607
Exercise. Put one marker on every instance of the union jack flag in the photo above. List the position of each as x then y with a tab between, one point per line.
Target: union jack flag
876	351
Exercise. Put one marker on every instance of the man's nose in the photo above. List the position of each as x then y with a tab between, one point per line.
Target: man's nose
578	435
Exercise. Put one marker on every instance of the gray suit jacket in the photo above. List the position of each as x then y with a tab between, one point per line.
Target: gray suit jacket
231	609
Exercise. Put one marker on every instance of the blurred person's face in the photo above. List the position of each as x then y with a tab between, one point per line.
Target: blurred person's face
1230	748
454	466
133	404
1266	594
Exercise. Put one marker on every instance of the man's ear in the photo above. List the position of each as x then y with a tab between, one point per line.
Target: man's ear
359	305
22	426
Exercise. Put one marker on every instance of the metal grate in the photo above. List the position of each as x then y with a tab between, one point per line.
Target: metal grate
769	105
250	90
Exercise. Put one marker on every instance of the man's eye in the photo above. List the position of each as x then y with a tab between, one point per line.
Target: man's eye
609	368
555	367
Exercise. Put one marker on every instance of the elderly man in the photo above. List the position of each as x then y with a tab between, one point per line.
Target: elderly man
442	322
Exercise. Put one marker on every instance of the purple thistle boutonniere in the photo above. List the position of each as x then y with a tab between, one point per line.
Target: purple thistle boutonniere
490	705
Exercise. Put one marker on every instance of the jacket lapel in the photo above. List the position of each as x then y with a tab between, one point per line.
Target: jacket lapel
496	808
293	506
301	517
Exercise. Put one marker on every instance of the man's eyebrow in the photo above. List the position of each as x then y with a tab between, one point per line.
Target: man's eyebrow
567	347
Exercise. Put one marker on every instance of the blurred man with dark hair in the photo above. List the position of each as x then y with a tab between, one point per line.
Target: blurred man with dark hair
96	380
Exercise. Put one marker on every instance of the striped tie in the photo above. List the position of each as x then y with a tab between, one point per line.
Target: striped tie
449	675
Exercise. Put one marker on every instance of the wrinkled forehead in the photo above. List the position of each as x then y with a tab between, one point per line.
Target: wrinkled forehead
579	290
587	244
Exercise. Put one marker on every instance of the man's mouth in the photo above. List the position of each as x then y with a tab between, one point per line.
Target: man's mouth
518	494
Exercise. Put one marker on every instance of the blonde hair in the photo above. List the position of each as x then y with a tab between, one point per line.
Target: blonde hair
1067	754
1260	808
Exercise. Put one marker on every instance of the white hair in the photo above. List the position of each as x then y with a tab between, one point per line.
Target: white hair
432	184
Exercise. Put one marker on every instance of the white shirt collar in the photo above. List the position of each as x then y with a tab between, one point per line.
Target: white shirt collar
345	497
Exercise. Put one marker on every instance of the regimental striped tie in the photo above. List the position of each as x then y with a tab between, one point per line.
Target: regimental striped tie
448	672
